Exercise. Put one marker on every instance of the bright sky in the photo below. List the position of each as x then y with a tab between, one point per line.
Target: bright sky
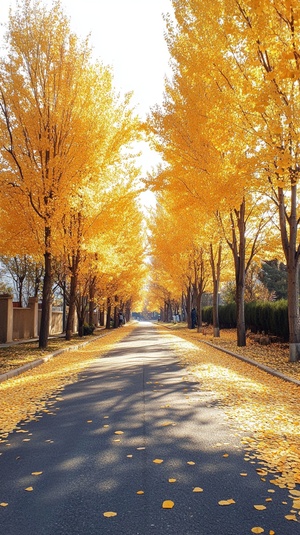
127	34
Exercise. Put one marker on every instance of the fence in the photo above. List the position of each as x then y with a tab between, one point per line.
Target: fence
23	323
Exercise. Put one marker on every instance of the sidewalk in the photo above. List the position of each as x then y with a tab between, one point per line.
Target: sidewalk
37	362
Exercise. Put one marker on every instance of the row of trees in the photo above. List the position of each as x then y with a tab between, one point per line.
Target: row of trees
229	133
69	182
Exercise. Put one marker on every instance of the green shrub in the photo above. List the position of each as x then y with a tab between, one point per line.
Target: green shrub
268	316
88	329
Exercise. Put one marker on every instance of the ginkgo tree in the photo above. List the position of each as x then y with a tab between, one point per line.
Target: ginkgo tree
61	125
204	135
265	36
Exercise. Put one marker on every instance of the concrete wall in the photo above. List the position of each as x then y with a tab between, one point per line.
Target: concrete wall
56	326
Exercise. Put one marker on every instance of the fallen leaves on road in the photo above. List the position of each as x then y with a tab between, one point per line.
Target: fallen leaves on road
226	502
168	504
23	396
110	514
257	403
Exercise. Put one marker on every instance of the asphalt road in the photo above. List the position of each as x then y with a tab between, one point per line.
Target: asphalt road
93	453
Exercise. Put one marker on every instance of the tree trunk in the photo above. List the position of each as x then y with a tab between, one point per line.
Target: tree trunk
240	309
72	307
240	294
108	315
46	303
199	312
291	250
80	326
92	293
216	271
116	320
239	254
102	316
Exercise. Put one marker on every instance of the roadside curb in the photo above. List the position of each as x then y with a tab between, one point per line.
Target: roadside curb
262	367
253	363
38	362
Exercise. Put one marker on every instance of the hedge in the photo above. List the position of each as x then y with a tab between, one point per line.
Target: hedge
268	316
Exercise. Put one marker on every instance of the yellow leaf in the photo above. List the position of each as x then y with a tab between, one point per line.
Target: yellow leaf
244	474
295	492
3	504
168	504
89	421
191	463
36	473
109	514
158	461
129	456
197	489
29	489
226	455
140	492
226	502
172	480
271	532
257	530
119	432
261	472
291	517
259	507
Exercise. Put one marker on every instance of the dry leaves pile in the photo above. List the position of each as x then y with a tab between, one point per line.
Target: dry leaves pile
260	405
22	396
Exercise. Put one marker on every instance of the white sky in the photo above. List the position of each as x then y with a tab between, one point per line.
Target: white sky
126	34
129	36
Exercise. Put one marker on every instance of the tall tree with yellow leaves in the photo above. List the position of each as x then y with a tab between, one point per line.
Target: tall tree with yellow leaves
58	124
203	132
265	39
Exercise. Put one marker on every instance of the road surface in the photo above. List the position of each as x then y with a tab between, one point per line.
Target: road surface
131	434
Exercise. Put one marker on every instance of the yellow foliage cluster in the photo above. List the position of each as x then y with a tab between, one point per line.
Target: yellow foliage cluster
228	129
69	181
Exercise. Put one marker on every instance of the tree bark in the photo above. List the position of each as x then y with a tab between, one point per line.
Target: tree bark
92	293
216	272
108	315
72	306
189	306
240	275
292	251
47	297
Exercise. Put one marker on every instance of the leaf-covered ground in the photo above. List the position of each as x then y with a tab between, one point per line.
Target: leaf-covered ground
263	409
23	396
274	356
16	355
